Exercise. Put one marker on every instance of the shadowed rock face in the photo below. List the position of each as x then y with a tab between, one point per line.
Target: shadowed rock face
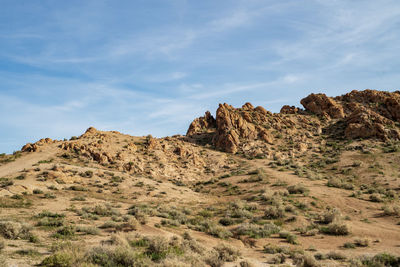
364	114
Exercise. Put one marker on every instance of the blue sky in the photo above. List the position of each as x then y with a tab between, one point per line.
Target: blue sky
151	66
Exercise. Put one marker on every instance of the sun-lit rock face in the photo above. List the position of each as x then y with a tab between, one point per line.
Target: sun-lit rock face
365	114
358	114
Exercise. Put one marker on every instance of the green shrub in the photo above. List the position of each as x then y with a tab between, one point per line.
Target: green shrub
349	245
297	189
376	198
50	222
37	191
65	232
362	242
336	255
46	213
290	238
59	259
227	252
330	216
384	259
14	230
88	230
274	212
335	229
256	231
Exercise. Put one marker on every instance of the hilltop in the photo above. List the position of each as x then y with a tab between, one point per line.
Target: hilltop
311	186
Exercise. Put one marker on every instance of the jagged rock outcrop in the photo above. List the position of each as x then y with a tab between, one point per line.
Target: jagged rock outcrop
235	124
358	114
92	151
364	123
386	104
202	125
365	114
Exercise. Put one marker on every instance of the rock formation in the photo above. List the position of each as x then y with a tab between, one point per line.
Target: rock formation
202	124
358	114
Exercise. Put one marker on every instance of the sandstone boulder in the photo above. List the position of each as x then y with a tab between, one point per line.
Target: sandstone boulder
322	105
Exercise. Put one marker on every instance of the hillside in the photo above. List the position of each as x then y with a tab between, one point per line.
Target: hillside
312	186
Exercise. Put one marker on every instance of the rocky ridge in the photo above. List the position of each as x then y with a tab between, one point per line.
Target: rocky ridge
252	131
358	114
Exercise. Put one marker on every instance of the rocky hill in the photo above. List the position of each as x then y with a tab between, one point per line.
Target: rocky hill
312	186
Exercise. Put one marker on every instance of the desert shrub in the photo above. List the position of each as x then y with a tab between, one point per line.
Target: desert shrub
349	245
240	214
20	177
86	174
273	249
330	216
278	259
141	215
99	210
118	256
227	252
297	189
4	182
220	232
256	231
226	221
65	232
49	195
336	255
88	230
392	210
108	224
246	263
211	228
362	242
78	198
50	222
59	259
28	252
376	198
338	183
78	188
391	148
33	238
290	238
335	228
258	175
14	230
158	248
213	260
274	212
382	259
37	191
170	223
305	260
